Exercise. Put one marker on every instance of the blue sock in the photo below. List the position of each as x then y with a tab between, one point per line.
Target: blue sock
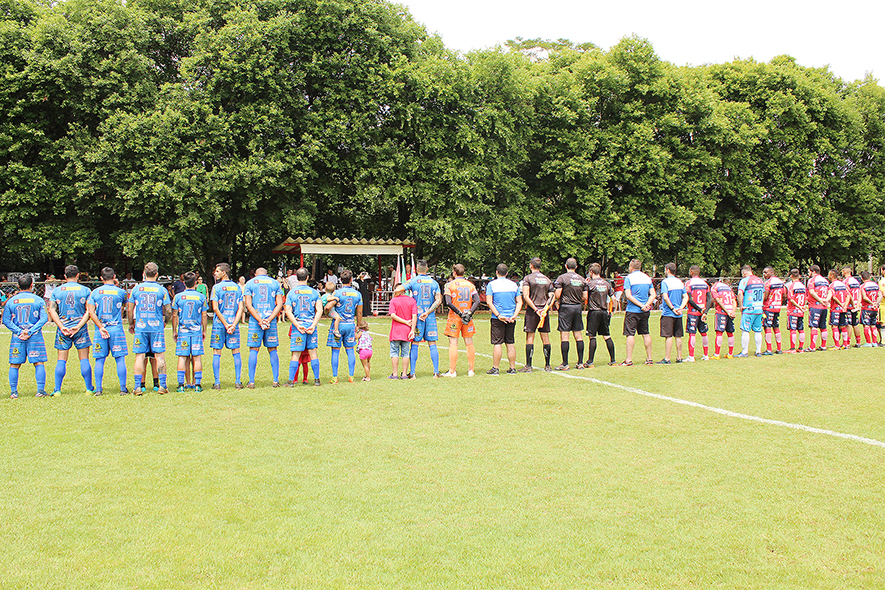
137	381
60	367
162	380
293	368
121	371
13	378
253	364
315	365
181	377
275	365
99	373
216	368
434	357
86	371
238	367
41	377
413	358
198	377
351	361
335	353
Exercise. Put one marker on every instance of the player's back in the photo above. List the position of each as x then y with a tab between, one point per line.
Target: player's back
190	305
24	310
839	294
697	289
797	297
303	300
573	288
775	299
754	294
873	293
539	288
724	296
818	285
424	289
461	293
109	301
264	291
854	288
348	301
227	295
71	300
149	299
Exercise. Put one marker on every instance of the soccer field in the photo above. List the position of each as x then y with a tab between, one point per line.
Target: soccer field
744	473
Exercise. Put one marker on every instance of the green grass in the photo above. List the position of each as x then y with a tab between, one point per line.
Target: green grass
527	481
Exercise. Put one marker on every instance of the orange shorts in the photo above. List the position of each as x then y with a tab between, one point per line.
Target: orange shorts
454	327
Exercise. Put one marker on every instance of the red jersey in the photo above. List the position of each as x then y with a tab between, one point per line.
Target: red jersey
854	288
873	293
724	297
839	296
619	283
817	284
697	290
774	298
797	298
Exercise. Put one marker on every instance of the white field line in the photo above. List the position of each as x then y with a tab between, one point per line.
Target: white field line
715	410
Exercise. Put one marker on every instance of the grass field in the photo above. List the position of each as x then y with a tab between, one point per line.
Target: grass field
542	480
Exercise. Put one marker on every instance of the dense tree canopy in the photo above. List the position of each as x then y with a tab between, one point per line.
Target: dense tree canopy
196	132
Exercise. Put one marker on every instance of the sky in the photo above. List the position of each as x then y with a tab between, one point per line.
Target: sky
846	35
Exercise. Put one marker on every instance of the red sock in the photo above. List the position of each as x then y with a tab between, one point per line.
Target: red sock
718	342
777	338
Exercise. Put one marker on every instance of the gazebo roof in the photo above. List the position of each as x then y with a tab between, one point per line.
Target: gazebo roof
350	246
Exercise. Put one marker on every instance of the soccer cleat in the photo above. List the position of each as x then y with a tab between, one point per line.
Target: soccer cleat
588	365
55	394
198	388
729	356
808	349
526	369
766	353
689	359
579	366
562	368
759	354
649	362
663	362
626	364
13	395
613	363
858	345
741	355
305	382
138	391
42	394
156	388
250	386
822	349
715	357
289	384
124	392
162	390
436	375
394	377
511	371
548	368
236	386
450	374
275	384
216	386
350	379
333	380
492	371
706	358
181	388
96	392
412	376
778	351
678	361
470	373
316	382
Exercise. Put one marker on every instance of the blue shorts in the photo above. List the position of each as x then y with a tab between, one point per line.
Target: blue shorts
817	318
838	319
115	345
795	323
400	348
724	323
80	340
258	336
32	350
348	336
771	319
426	329
695	323
144	342
299	342
751	322
189	345
221	339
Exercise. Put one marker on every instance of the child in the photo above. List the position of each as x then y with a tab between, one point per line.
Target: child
364	347
328	296
404	316
303	362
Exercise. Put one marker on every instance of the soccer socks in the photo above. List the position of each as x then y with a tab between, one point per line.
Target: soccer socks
162	380
335	353
768	339
216	368
434	358
413	358
731	343
303	372
181	377
293	371
253	364
275	365
777	338
13	379
351	361
198	377
529	350
86	371
137	380
99	372
610	345
691	345
759	342
591	351
580	346
705	341
547	351
718	343
315	365
121	371
745	342
238	367
40	375
563	348
60	367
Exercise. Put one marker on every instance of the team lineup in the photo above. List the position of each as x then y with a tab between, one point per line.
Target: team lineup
839	302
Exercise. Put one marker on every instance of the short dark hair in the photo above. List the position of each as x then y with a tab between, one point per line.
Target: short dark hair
865	275
107	273
25	282
458	269
671	266
695	270
814	268
302	274
421	265
71	271
346	276
794	272
224	267
571	264
595	268
502	269
151	269
746	267
635	264
190	279
832	271
535	263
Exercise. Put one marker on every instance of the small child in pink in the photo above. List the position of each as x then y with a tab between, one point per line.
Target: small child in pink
404	315
364	347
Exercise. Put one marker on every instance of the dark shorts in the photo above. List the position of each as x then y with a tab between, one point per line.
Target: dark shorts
503	332
531	322
636	323
838	319
570	319
868	317
817	318
852	318
771	319
671	327
724	323
695	323
795	323
598	323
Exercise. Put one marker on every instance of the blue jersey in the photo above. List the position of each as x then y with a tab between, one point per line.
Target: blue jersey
25	311
639	285
424	290
109	301
190	305
228	296
348	300
264	291
303	301
71	301
675	290
503	293
149	299
754	295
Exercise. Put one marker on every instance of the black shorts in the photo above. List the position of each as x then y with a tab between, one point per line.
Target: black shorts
503	332
868	317
636	323
724	323
570	319
671	327
598	323
695	323
852	318
817	318
531	322
838	319
795	323
771	319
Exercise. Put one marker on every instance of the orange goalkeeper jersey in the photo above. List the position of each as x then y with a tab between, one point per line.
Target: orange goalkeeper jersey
461	292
